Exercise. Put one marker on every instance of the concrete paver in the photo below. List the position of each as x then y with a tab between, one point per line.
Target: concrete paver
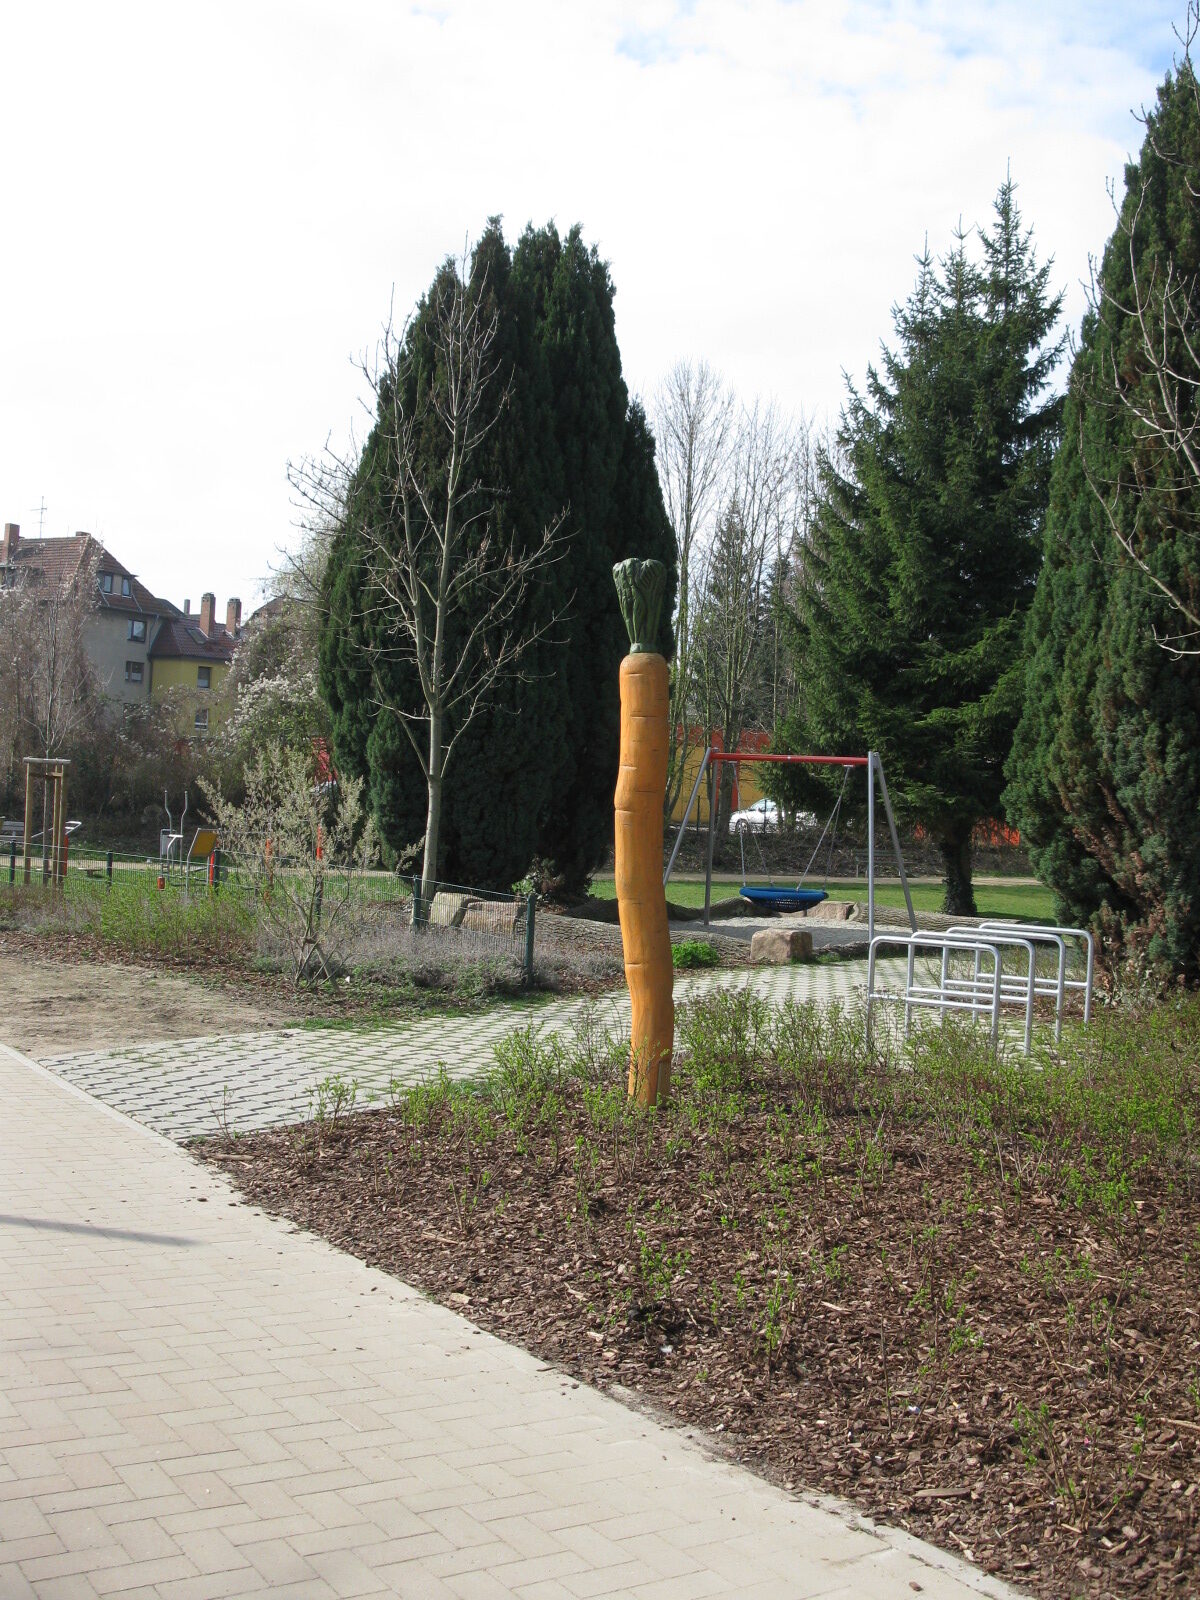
200	1401
186	1087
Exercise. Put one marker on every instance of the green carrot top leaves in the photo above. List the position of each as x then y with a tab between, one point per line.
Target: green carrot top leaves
641	586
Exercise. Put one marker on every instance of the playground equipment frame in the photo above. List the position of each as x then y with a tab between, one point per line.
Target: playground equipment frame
874	769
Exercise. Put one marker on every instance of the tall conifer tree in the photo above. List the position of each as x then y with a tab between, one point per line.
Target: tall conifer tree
913	594
1105	770
533	776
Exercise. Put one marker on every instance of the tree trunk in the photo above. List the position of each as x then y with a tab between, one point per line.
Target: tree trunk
724	805
433	810
960	894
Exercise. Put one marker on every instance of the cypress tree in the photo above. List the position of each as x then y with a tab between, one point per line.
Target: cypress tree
534	774
913	594
1105	769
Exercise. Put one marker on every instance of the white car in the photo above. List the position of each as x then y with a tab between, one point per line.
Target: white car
761	817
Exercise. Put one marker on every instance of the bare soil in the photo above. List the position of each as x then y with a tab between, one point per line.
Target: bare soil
65	989
53	1004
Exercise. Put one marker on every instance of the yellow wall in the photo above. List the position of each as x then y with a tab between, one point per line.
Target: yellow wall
748	790
177	679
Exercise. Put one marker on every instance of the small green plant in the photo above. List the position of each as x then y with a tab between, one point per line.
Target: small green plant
587	1167
694	953
780	1298
716	1299
658	1268
833	1264
1040	1449
332	1099
228	1132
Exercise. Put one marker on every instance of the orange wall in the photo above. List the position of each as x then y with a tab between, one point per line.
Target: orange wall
746	787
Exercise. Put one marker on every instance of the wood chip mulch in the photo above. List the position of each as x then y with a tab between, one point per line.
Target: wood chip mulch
883	1313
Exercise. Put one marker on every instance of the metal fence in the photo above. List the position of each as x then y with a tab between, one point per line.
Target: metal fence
475	924
485	921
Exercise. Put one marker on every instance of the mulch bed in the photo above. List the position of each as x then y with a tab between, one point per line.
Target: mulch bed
883	1313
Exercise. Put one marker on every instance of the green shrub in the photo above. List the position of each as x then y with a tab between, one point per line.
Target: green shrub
694	953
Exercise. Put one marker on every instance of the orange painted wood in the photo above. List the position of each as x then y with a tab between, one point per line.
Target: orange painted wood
641	898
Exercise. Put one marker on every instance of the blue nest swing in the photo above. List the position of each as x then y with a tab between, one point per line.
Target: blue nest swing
784	897
775	898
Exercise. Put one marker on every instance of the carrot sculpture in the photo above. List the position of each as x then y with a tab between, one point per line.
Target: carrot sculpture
641	786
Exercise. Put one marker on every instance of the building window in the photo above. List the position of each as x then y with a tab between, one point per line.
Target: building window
204	677
106	582
133	671
126	588
137	632
202	720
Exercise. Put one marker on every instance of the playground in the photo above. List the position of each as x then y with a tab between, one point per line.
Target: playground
900	1257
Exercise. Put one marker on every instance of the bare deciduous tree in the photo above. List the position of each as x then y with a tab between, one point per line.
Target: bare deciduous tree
757	528
49	693
60	693
693	427
446	592
300	846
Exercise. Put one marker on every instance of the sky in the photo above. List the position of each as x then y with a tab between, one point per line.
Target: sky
208	210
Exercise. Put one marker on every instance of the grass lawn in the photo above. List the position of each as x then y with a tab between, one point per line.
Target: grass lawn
1030	900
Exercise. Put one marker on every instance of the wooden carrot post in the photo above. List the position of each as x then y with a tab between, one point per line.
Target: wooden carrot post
641	788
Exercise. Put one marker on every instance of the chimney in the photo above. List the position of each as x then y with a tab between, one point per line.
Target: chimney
208	605
233	617
187	608
8	545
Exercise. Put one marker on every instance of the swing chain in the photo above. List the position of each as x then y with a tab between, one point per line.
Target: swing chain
831	822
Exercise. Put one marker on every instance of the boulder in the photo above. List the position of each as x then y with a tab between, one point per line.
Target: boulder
833	911
501	917
777	946
448	910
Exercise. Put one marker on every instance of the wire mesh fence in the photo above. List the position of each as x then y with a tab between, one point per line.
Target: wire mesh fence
485	921
377	905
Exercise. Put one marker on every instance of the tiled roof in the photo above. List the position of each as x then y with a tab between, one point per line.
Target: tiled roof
61	560
180	638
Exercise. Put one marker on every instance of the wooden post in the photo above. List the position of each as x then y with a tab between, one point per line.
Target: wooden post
62	822
28	819
58	820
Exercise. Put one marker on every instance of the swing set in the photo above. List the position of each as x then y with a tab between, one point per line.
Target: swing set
774	896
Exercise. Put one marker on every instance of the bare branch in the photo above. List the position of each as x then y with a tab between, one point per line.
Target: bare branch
447	593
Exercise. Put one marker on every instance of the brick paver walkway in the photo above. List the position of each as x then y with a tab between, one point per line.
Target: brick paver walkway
198	1401
255	1080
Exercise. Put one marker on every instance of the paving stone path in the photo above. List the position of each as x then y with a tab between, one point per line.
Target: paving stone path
199	1401
185	1087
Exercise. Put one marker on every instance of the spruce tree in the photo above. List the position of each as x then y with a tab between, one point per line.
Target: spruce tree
534	774
913	593
1105	769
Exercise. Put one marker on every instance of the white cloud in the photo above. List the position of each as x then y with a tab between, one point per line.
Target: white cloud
205	211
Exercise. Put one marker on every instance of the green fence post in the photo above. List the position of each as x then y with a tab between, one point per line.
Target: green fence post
416	894
108	869
12	862
530	908
216	876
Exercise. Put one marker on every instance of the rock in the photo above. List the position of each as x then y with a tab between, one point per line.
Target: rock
833	911
448	910
501	917
777	946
